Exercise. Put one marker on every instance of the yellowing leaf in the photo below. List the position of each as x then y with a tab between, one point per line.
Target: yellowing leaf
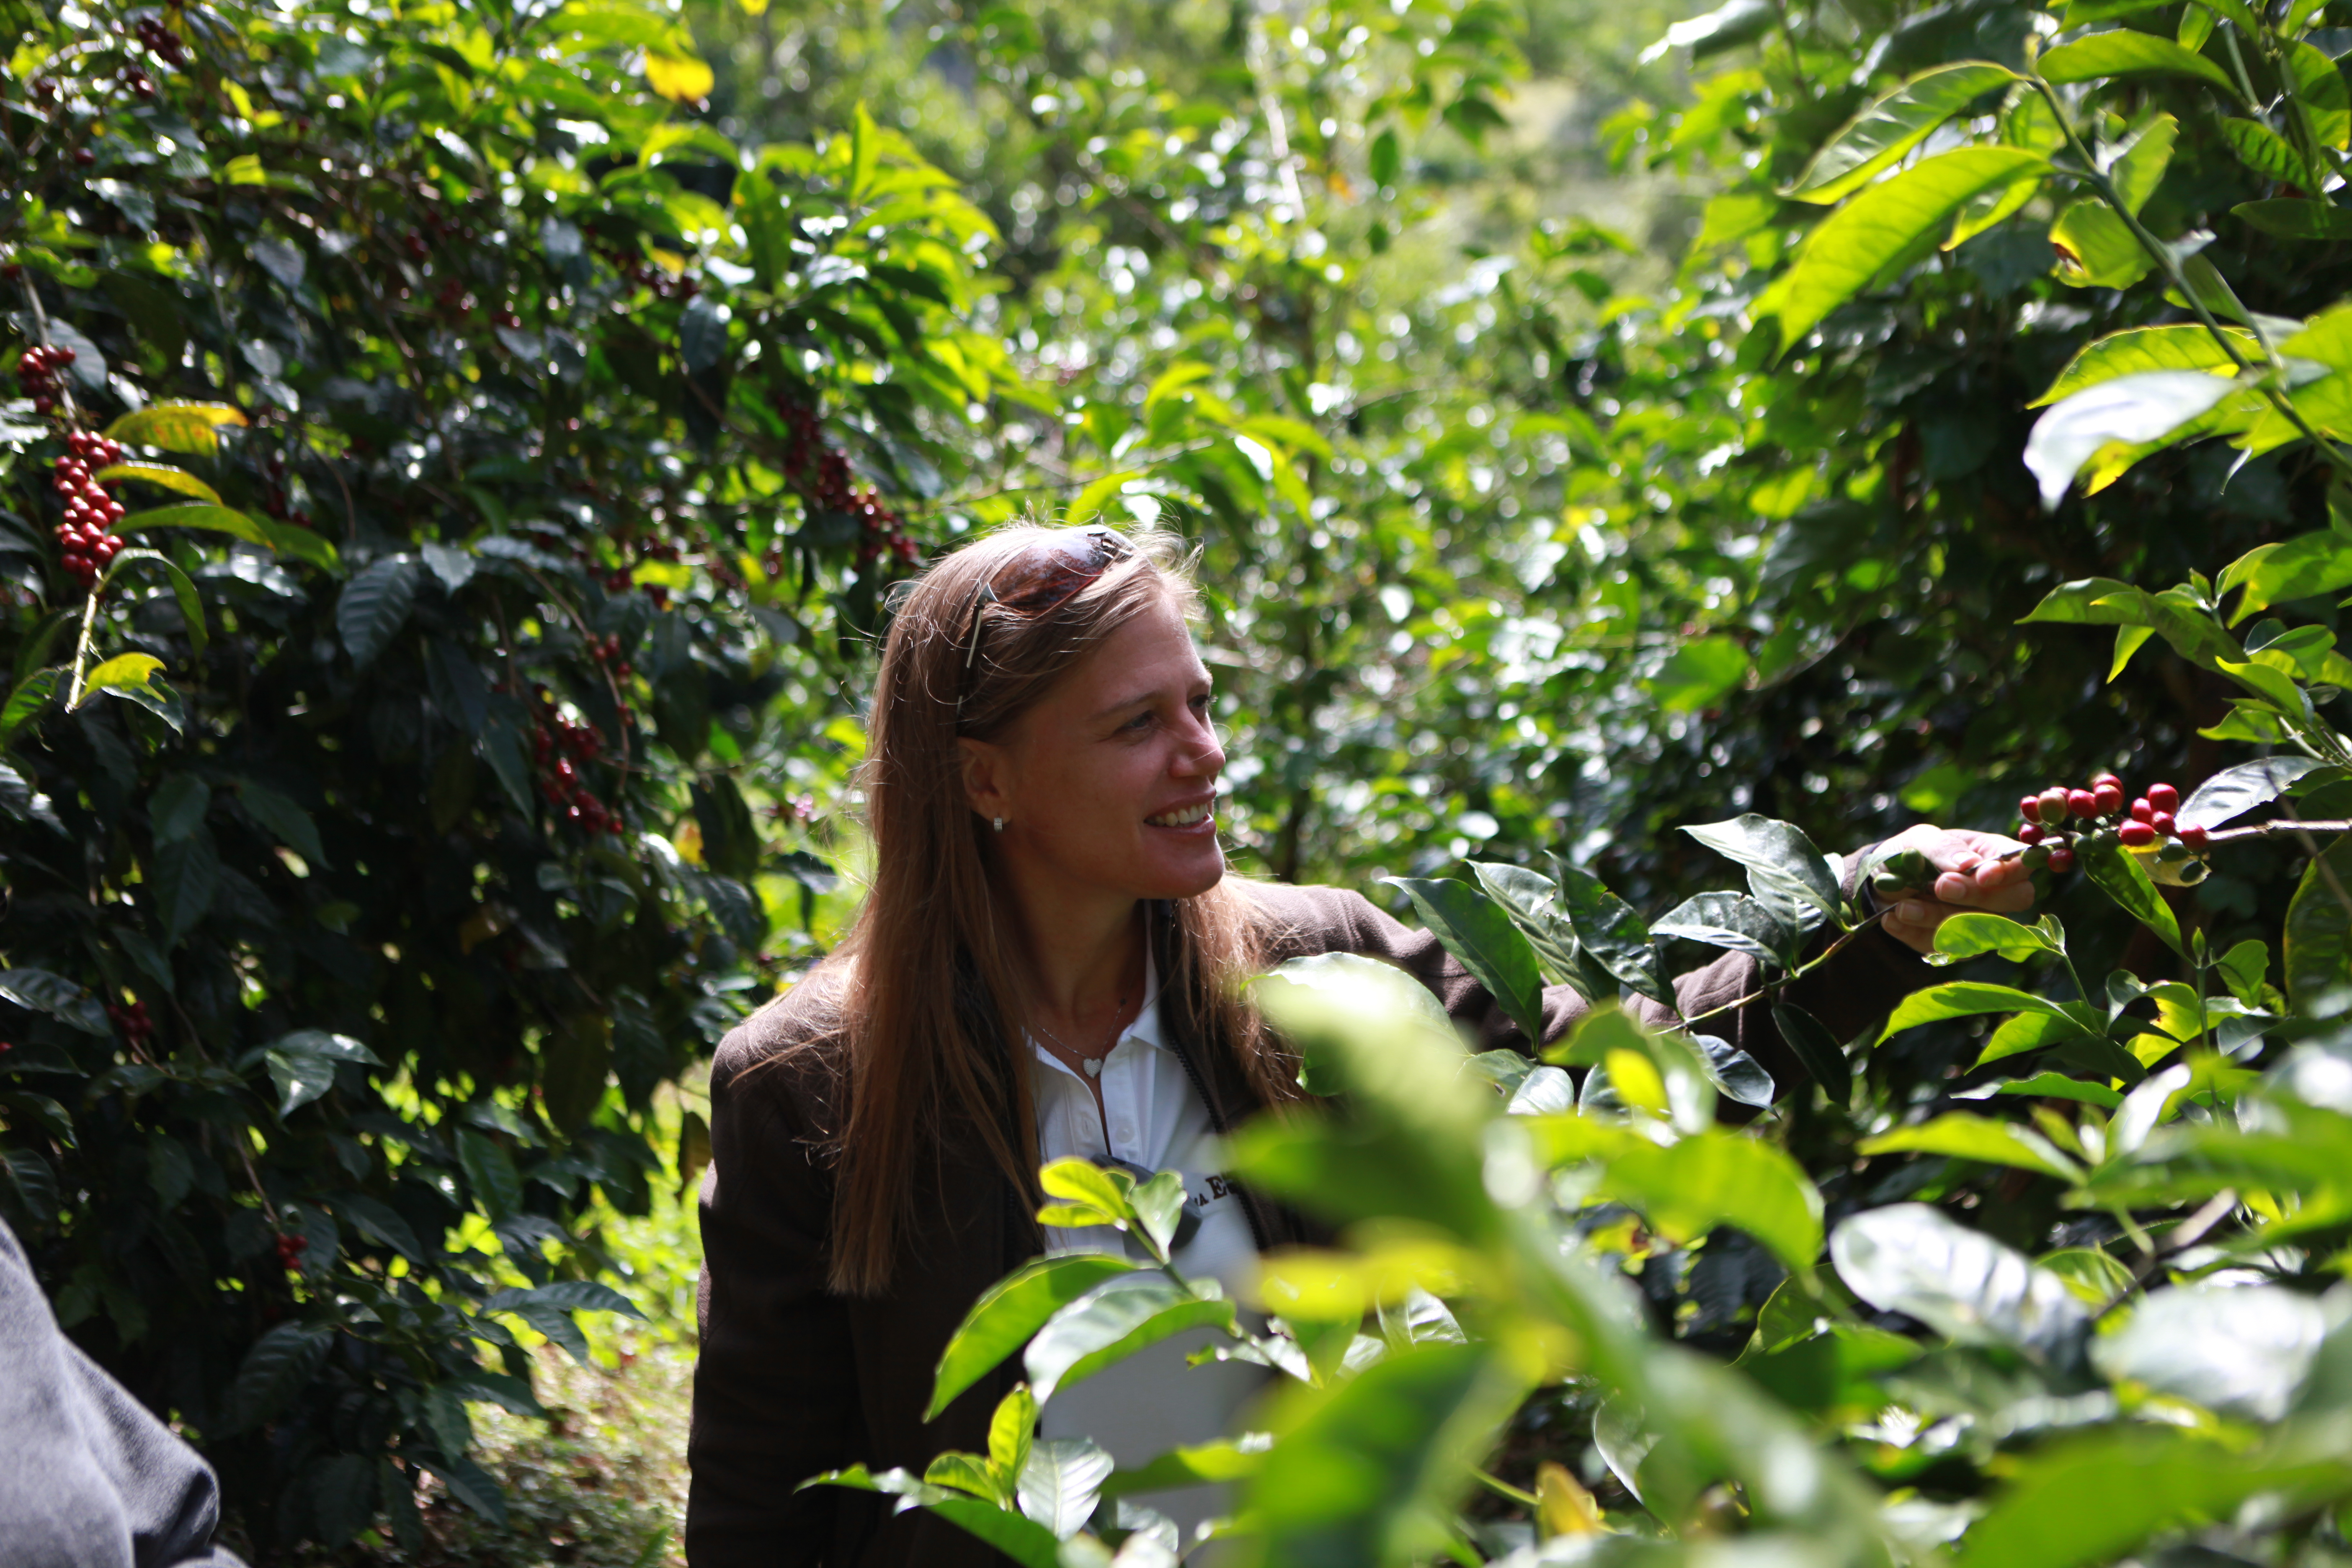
190	427
681	78
121	673
157	474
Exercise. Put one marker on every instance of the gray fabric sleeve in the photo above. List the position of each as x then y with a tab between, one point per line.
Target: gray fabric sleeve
92	1479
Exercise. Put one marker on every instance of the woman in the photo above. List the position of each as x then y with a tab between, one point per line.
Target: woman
1048	963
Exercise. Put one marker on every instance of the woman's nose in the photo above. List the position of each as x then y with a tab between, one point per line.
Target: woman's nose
1201	754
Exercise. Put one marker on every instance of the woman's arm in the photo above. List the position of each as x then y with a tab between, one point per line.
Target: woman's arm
776	1387
1848	994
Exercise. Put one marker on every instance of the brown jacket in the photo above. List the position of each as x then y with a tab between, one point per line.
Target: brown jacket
793	1380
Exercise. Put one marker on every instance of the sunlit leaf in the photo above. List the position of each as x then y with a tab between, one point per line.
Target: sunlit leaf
2130	408
1887	223
177	427
1965	1137
2124	53
1009	1312
1893	125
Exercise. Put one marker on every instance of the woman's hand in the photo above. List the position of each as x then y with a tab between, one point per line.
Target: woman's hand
1969	875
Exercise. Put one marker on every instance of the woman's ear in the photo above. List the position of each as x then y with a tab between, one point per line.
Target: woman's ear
987	777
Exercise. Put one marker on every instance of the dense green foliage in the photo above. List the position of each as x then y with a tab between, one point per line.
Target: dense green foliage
377	835
466	354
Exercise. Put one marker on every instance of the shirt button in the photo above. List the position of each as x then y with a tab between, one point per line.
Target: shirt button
1126	1134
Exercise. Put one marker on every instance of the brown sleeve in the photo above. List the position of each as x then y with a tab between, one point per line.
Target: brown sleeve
1851	993
775	1385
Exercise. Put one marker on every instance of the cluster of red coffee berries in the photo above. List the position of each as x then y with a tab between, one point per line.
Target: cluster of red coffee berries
87	535
273	497
136	1027
563	750
821	474
36	375
606	650
2102	808
290	1248
163	43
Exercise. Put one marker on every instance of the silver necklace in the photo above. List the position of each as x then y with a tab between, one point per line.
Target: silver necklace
1093	1064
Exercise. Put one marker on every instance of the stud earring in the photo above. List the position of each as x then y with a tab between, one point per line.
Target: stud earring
999	825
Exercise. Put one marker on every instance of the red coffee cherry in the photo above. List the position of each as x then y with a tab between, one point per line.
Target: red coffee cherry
2099	780
2195	838
2030	808
2054	806
2163	823
2164	798
2142	811
2062	857
2136	835
2110	796
2083	803
2029	833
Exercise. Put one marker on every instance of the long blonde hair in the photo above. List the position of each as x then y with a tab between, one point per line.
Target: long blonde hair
928	986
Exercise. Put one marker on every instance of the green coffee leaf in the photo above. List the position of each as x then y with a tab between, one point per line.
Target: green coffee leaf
1480	933
124	672
1024	1539
2300	568
1911	1258
212	518
24	703
1009	1312
374	605
2142	1479
1222	1459
1883	226
1893	125
2096	1278
1608	929
489	1172
1965	1137
1061	1480
2266	151
1785	870
2237	1350
1816	1050
1732	920
161	476
1972	935
2293	217
2129	409
2120	875
2234	792
1365	1465
278	1366
2048	1086
1720	1177
2139	349
2318	946
1111	1323
1964	999
177	427
2123	53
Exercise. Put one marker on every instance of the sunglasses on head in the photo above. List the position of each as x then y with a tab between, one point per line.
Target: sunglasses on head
1045	575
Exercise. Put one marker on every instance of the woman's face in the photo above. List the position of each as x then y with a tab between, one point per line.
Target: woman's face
1108	785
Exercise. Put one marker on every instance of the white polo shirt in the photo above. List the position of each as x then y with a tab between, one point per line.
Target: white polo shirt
1151	1116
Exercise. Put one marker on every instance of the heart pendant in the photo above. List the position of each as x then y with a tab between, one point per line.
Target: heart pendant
1094	1066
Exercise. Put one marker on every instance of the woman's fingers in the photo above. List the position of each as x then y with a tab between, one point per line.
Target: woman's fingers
1973	871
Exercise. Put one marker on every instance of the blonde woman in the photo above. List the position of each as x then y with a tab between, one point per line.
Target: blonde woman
1048	963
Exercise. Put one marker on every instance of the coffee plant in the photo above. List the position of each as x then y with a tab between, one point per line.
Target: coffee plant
2077	1295
444	475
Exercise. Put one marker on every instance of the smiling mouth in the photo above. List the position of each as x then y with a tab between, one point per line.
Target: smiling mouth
1183	816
